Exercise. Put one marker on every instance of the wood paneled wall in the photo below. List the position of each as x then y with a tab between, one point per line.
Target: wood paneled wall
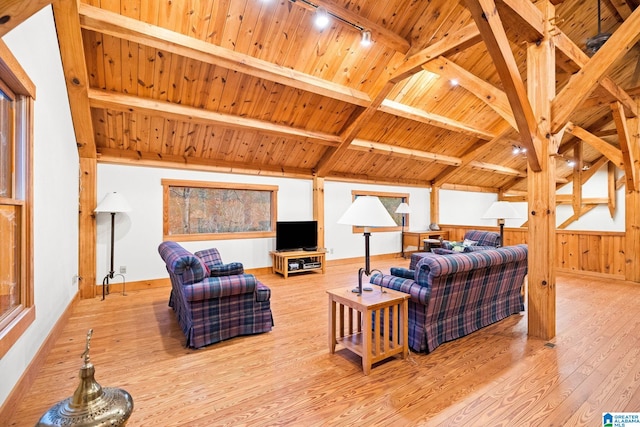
590	252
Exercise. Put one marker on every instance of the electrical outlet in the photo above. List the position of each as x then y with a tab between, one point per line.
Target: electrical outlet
74	280
123	269
330	250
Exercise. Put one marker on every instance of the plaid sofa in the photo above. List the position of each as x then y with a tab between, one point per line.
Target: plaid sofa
214	301
454	295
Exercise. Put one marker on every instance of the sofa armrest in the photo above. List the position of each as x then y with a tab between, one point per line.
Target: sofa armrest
419	294
230	269
403	272
219	287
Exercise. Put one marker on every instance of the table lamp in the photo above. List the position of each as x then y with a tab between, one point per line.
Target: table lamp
501	211
367	212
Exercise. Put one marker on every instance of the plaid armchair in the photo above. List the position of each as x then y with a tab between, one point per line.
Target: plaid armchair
454	295
209	305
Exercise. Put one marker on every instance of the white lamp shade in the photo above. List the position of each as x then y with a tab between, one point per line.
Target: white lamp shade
113	203
403	208
367	211
501	210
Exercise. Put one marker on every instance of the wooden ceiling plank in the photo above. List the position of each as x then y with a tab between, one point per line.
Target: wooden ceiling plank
392	150
359	120
14	12
416	114
581	84
624	139
96	19
489	94
608	150
65	14
485	15
475	152
450	43
168	110
623	98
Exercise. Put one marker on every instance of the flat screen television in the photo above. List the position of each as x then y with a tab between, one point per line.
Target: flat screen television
296	235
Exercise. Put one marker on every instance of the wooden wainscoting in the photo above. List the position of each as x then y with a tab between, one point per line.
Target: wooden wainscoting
588	252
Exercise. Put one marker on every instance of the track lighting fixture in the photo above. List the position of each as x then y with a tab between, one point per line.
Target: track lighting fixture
518	150
366	38
322	18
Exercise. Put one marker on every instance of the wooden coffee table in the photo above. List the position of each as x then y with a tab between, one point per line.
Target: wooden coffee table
373	325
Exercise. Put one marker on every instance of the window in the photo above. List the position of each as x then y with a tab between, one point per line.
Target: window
196	210
390	201
16	279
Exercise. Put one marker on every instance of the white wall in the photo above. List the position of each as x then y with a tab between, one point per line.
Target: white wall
34	44
139	232
468	208
599	218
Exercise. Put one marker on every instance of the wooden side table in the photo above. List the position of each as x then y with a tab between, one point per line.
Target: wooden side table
373	325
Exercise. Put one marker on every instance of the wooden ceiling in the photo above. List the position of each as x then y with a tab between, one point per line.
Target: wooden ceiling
252	86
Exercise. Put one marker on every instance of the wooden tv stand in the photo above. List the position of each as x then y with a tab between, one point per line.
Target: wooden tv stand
281	260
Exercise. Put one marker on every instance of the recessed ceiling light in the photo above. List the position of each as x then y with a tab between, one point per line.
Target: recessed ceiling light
454	82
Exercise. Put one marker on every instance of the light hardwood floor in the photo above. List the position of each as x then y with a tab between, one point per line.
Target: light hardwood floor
496	376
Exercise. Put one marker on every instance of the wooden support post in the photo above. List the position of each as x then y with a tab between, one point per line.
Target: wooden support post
632	208
318	208
87	228
577	179
541	188
434	205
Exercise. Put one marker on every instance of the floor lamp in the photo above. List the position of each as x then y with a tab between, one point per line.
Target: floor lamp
404	209
367	212
501	211
112	203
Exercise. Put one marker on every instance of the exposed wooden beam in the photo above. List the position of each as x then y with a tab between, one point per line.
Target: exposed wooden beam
567	199
624	139
531	20
622	7
139	158
474	164
611	188
416	114
100	20
610	152
486	92
391	150
487	19
168	110
581	84
14	12
65	13
450	43
575	217
622	97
